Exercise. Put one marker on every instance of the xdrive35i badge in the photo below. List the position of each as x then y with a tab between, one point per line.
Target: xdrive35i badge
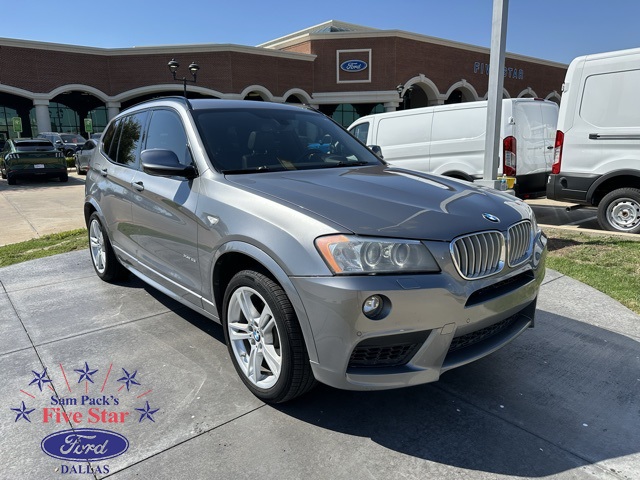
491	218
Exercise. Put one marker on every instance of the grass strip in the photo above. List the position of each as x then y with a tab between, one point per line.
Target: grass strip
44	246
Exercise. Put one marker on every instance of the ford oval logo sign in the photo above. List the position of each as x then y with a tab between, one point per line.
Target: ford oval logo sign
353	66
84	445
491	218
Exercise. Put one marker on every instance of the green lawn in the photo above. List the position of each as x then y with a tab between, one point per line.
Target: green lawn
608	263
43	247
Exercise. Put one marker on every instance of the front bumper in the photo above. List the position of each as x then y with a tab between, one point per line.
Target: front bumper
436	322
570	187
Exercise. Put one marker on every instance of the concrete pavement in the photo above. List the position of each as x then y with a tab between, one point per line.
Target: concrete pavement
36	207
560	402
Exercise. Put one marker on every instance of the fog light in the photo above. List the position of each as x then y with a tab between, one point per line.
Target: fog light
373	307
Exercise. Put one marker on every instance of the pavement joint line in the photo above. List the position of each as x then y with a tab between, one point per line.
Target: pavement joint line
108	327
37	353
47	284
584	460
187	440
19	212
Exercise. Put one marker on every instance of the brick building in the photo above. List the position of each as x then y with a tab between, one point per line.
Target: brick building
345	70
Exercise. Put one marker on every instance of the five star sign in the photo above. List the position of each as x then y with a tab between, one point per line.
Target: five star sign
85	374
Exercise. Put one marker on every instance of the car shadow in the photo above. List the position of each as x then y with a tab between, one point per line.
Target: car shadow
562	396
27	183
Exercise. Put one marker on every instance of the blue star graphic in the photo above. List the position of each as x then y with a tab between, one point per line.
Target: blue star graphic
86	373
129	379
23	412
147	413
40	378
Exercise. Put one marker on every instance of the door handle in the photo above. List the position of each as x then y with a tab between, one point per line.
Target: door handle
139	186
103	172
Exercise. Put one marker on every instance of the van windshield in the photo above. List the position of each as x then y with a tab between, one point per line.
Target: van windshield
261	140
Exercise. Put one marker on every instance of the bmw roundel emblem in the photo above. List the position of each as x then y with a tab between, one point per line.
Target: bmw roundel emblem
491	218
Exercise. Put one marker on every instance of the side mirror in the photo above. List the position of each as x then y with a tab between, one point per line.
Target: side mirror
377	150
165	163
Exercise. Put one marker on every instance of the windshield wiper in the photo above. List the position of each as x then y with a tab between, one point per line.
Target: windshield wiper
349	164
263	168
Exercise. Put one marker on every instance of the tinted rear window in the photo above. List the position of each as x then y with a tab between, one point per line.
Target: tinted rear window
34	146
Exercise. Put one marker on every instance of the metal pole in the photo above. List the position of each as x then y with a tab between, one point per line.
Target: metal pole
184	82
494	96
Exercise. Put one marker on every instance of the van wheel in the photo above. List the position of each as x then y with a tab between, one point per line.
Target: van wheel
619	211
264	338
104	260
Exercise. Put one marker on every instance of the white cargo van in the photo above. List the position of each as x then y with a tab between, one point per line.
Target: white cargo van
450	140
597	148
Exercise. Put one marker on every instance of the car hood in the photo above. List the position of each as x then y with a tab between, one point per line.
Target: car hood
390	202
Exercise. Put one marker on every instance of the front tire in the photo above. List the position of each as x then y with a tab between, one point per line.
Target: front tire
104	260
264	338
619	211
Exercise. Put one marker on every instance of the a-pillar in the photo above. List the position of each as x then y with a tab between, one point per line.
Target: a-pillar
113	109
43	120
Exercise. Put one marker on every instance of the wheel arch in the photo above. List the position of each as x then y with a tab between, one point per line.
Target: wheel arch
236	256
612	181
459	175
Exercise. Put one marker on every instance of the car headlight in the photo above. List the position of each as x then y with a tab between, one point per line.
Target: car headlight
349	254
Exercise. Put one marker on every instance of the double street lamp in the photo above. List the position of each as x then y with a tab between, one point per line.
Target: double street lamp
193	69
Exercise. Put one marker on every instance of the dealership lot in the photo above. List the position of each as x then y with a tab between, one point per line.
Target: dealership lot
561	401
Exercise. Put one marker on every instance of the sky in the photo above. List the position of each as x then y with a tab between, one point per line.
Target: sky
555	30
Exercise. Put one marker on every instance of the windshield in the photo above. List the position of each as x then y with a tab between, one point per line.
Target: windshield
252	140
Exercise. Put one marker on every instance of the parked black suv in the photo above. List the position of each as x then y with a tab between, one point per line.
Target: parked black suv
67	143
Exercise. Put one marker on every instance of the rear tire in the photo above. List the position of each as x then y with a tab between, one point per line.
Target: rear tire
64	177
264	338
11	180
619	211
103	258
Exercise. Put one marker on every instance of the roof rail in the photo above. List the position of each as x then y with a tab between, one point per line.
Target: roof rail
184	100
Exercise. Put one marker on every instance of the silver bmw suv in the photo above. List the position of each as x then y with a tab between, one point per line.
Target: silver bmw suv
321	262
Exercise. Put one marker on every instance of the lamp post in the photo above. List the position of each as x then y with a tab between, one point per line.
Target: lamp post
399	89
193	69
